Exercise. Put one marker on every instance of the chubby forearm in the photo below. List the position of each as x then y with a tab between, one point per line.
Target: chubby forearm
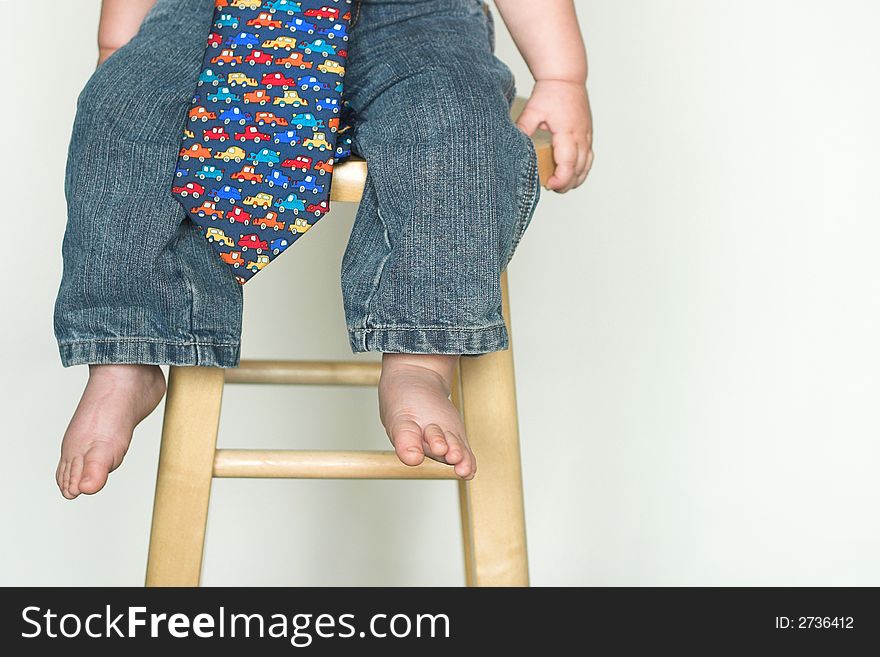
547	34
120	21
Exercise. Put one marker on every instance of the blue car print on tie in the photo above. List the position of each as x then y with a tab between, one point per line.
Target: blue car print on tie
288	6
226	193
292	203
266	156
336	31
299	25
181	172
306	82
277	178
245	39
278	245
289	137
209	77
235	115
304	121
209	171
332	103
224	95
318	45
309	184
227	20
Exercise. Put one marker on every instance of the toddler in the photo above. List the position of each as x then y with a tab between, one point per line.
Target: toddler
451	187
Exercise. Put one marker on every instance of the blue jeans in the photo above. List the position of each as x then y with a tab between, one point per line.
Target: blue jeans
451	188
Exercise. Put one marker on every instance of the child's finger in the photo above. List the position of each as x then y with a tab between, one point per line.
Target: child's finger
581	166
584	163
565	154
589	166
528	121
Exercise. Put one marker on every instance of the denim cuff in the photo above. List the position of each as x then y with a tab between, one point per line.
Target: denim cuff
431	340
149	351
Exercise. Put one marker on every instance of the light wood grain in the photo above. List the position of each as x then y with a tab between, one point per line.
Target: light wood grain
305	372
467	539
303	464
493	500
183	483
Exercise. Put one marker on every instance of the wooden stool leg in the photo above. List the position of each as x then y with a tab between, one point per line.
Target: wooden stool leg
466	538
186	468
493	513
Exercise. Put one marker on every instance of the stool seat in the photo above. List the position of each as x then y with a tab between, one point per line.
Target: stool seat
483	389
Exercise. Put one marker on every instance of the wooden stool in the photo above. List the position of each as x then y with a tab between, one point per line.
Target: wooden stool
493	521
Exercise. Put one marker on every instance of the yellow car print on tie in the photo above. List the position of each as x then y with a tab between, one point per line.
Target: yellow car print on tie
329	66
299	226
259	263
282	42
217	235
242	79
246	4
234	153
290	97
317	140
261	200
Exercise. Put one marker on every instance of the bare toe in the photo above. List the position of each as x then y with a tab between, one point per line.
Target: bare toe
435	441
59	475
456	448
76	470
98	464
466	466
65	481
406	436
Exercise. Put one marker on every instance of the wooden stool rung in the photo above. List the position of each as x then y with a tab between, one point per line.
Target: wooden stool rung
305	464
306	372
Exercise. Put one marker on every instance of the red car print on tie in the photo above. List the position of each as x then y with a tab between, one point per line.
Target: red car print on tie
323	12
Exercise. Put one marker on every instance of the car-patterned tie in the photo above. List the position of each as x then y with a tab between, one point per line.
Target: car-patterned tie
266	126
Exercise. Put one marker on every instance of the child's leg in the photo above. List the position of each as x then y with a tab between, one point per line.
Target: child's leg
140	284
141	287
451	189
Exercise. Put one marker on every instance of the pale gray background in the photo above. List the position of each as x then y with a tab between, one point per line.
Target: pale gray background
696	331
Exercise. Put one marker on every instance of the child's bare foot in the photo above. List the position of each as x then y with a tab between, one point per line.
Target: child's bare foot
418	415
116	399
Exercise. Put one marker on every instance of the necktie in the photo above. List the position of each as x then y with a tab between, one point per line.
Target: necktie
266	125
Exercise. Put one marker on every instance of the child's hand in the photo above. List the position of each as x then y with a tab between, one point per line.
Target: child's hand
563	108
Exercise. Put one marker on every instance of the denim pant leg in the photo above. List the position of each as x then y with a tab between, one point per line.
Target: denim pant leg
452	182
140	284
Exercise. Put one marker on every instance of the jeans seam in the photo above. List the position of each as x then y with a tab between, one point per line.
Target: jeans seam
430	328
148	340
430	340
489	23
189	287
529	200
368	311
